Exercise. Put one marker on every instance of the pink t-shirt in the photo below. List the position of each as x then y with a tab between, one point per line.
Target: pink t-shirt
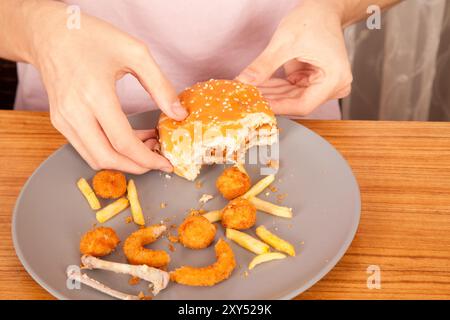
191	41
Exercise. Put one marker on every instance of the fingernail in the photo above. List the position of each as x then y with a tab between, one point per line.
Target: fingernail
179	110
167	169
247	76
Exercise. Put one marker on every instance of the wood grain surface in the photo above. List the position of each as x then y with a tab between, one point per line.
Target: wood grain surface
403	170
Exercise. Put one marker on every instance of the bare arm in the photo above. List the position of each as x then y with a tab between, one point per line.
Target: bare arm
79	68
14	29
309	45
352	11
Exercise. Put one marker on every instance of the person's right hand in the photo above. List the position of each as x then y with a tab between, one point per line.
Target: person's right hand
79	68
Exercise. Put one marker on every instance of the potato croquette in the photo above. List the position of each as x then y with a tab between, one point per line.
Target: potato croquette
137	254
196	232
233	183
109	184
239	214
210	275
99	242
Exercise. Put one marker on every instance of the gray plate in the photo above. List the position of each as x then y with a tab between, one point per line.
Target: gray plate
51	215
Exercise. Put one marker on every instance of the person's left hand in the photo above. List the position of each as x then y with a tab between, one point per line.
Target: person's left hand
309	45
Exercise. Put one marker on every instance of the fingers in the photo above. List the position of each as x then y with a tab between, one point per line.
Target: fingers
123	139
95	146
62	126
265	65
277	87
145	134
303	101
157	85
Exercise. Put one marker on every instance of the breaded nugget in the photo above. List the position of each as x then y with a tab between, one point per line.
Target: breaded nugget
210	275
196	232
233	183
99	242
109	184
239	214
136	253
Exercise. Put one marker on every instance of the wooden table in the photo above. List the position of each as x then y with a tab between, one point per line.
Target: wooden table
403	169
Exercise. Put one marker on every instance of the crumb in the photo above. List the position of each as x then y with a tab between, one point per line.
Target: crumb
267	193
142	296
167	176
274	164
302	243
162	205
198	184
172	238
281	197
245	273
276	228
195	212
205	198
171	247
128	219
134	281
289	226
273	188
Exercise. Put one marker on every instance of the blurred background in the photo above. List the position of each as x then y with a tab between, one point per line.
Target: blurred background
401	71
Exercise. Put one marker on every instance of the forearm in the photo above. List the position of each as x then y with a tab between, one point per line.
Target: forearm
350	11
22	24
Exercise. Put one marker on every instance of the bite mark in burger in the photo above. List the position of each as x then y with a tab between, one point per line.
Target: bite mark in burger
226	118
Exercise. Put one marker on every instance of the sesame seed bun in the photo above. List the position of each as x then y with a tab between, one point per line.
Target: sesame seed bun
226	117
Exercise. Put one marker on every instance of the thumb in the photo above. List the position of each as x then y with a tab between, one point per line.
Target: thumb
159	87
264	66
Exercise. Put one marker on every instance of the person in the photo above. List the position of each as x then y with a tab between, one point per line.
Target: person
116	55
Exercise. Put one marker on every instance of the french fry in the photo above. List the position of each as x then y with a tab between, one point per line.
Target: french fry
259	186
88	193
275	241
136	209
246	241
213	216
112	209
271	208
265	257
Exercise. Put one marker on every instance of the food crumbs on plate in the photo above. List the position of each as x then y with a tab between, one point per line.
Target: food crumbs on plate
198	184
163	205
274	164
173	239
246	273
267	193
167	176
128	219
281	197
134	281
273	188
205	198
142	296
171	247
